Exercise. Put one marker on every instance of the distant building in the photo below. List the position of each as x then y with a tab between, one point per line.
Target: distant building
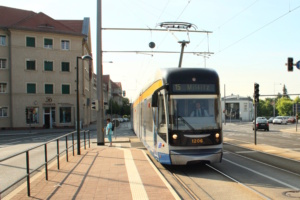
117	93
38	57
111	91
237	108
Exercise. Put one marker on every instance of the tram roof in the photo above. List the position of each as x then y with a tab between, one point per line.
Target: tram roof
182	75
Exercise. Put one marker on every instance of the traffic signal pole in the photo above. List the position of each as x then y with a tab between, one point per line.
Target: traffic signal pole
255	113
256	101
296	115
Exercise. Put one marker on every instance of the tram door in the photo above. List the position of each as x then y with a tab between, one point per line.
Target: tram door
155	130
162	126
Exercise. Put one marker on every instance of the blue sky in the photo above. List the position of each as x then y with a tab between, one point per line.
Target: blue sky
251	40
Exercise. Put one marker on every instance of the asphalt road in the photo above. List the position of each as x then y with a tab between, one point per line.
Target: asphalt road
281	136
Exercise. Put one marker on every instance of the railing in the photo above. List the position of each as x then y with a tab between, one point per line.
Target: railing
28	171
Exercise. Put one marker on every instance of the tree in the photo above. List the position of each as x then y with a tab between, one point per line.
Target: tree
126	107
297	100
284	106
114	107
285	92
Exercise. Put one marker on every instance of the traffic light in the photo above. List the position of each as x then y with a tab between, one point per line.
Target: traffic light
95	105
290	64
256	92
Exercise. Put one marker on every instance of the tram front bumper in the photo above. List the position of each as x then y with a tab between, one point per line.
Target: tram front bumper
186	157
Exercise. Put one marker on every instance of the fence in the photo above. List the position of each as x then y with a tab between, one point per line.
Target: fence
28	171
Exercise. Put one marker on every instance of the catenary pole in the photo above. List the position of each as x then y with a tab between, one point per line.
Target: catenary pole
100	116
224	104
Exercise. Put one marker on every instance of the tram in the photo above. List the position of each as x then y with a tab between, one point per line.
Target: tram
163	116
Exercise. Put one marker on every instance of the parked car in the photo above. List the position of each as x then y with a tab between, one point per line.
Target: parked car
280	120
270	120
261	123
291	120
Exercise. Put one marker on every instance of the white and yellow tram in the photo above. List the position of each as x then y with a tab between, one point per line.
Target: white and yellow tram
163	118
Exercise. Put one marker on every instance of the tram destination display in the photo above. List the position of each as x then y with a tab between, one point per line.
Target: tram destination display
194	88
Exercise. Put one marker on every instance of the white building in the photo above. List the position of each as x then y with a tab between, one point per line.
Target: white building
237	108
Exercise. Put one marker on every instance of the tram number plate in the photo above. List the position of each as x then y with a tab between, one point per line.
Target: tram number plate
197	141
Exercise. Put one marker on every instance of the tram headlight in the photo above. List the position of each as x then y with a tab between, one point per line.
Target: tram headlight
174	136
217	135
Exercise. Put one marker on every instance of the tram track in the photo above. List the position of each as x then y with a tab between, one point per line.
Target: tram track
236	181
189	189
263	180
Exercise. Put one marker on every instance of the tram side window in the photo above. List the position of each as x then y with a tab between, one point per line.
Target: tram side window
161	110
162	129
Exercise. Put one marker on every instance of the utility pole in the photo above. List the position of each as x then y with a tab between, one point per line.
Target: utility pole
256	101
100	113
296	115
224	105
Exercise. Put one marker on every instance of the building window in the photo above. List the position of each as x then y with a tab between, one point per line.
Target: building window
48	65
31	88
65	89
245	107
3	111
30	42
32	115
65	115
48	88
48	43
30	64
3	87
2	40
3	64
65	66
65	44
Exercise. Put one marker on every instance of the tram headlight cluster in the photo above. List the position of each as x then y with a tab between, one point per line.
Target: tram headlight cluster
175	136
217	137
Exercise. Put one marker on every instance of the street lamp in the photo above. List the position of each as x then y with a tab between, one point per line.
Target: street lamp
274	99
85	57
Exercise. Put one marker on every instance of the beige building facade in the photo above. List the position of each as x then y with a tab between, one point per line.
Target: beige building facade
38	57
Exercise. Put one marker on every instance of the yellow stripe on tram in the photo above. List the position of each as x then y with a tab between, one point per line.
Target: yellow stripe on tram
148	92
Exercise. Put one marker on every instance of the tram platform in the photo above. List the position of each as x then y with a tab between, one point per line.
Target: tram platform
101	172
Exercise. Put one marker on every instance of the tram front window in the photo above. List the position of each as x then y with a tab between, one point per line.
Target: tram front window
197	114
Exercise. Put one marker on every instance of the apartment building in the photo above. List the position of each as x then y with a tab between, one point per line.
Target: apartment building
38	57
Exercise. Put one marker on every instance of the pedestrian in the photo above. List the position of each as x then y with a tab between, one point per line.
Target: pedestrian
109	131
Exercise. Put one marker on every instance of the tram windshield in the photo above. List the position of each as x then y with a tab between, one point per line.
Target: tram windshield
194	113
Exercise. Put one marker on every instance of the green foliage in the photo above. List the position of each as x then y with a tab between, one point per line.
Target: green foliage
297	100
284	106
114	107
265	108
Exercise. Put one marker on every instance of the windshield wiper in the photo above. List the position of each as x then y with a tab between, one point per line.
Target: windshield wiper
185	122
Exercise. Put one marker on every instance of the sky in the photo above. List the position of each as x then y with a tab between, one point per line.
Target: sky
250	40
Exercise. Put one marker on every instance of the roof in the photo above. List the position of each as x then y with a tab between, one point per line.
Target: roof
116	85
28	20
106	79
236	98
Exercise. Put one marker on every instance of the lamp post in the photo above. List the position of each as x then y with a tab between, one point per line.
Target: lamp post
85	57
274	99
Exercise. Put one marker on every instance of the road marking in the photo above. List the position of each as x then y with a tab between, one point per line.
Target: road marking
263	175
292	149
246	152
270	150
136	185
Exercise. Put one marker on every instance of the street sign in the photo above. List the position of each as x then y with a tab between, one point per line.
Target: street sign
298	64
